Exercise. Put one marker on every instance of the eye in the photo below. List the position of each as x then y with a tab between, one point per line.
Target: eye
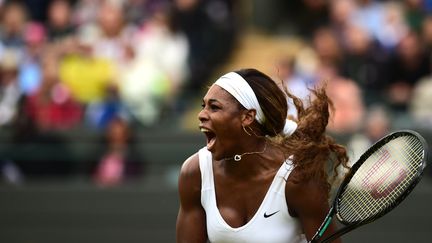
214	107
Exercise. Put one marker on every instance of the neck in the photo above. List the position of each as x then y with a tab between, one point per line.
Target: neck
251	166
254	148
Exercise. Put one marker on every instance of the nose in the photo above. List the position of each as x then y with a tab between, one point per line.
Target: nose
202	115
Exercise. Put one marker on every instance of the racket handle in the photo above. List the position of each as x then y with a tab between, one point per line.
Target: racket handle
324	225
338	234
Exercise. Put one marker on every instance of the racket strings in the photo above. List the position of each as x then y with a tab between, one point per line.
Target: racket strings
381	179
378	206
356	195
362	208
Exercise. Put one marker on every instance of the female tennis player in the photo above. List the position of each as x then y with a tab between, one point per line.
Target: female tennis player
261	177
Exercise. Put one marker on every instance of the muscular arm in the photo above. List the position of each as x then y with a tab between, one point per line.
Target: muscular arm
191	224
308	202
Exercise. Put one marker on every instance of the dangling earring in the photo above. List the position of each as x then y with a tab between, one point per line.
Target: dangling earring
244	129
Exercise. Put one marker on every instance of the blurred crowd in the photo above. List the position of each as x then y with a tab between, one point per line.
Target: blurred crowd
374	56
68	62
107	64
101	63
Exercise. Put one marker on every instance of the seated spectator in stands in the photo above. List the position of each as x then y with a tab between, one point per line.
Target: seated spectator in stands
30	72
295	84
365	63
86	76
119	161
52	107
327	46
59	22
85	11
99	114
161	41
426	33
415	12
409	64
38	152
139	10
110	36
13	23
151	82
341	12
392	27
420	106
144	88
346	118
376	125
10	92
211	31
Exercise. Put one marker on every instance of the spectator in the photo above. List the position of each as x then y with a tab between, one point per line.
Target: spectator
426	33
347	116
162	47
341	12
365	64
210	27
119	161
85	12
59	21
110	37
369	16
10	92
392	28
13	22
421	103
138	11
409	64
160	41
99	114
30	73
327	47
86	76
310	15
145	88
415	12
377	124
52	107
293	82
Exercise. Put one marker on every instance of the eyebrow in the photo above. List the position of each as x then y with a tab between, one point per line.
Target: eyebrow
211	101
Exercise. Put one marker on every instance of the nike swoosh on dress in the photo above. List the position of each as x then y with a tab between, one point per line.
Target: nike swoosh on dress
269	215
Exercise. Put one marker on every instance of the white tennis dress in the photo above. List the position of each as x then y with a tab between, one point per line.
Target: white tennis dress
270	224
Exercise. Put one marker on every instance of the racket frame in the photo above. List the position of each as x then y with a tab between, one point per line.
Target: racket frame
334	210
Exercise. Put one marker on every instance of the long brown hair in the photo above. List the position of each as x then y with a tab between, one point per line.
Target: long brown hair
313	151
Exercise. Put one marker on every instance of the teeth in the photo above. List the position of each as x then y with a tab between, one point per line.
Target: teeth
204	130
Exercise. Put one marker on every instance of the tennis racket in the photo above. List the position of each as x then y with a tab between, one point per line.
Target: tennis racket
379	181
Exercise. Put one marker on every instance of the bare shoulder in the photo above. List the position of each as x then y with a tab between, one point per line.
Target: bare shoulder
190	167
190	177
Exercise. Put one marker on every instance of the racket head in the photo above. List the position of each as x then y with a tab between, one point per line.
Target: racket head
361	198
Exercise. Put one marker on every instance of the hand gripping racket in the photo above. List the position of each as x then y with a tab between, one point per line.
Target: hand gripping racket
381	179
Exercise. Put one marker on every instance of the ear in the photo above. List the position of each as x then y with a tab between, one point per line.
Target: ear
248	117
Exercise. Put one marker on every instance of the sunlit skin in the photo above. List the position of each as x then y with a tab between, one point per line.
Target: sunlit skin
240	186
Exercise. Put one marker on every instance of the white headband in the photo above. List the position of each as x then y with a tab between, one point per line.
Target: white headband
240	89
235	84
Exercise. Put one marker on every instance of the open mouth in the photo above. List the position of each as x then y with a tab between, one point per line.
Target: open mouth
211	138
